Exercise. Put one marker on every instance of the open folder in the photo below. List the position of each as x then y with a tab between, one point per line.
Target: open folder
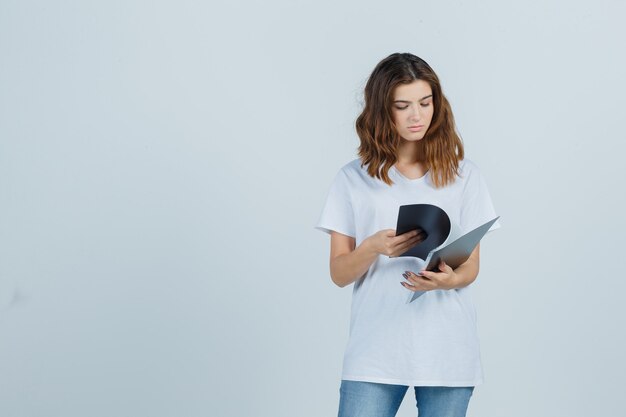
442	241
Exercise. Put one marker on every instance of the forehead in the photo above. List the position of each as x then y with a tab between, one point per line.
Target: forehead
413	91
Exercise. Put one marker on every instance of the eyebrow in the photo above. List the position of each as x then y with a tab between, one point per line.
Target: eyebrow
407	101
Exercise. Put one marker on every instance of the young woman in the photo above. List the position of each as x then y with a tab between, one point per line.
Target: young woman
409	153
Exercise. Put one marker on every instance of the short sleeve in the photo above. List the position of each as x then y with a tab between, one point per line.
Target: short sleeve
477	207
337	213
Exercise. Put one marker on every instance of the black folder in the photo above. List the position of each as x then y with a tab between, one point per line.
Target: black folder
435	222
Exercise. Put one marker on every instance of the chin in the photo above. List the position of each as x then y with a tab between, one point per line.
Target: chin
413	138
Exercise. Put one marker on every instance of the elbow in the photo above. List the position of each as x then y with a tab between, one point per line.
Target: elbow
466	274
333	275
476	271
339	274
337	282
473	276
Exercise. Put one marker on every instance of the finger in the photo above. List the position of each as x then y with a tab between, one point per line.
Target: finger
407	282
445	267
421	283
414	284
432	276
410	280
418	234
410	287
438	278
413	234
424	276
414	279
422	233
400	249
397	240
421	274
397	248
403	246
419	237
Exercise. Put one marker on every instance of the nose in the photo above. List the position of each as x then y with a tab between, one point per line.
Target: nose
415	113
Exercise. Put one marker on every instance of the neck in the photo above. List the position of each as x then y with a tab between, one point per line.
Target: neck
410	153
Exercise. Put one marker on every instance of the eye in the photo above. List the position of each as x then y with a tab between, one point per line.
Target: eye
402	108
426	105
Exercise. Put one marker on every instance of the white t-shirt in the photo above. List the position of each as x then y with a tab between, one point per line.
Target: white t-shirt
433	340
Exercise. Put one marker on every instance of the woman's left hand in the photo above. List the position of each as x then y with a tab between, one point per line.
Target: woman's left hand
429	280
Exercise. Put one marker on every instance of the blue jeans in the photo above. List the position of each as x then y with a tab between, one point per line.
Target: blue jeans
369	399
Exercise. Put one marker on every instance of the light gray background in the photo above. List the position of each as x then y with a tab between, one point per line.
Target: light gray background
162	165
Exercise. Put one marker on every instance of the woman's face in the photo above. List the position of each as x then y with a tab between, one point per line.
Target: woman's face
412	109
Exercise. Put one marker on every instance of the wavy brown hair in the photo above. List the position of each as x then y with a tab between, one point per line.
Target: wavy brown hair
440	149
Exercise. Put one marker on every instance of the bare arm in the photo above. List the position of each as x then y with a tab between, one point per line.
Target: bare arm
349	263
467	272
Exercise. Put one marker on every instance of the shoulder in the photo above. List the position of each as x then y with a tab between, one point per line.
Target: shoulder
351	176
468	170
352	167
466	165
351	171
345	177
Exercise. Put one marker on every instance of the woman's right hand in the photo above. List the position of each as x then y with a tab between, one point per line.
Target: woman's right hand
387	243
